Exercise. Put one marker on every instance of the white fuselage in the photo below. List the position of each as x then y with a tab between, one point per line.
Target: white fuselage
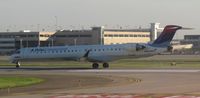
91	53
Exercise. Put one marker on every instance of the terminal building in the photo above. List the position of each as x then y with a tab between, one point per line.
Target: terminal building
99	35
192	39
10	41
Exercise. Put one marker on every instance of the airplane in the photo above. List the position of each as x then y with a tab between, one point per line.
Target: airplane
98	53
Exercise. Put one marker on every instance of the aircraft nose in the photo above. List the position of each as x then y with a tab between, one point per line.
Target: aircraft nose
13	58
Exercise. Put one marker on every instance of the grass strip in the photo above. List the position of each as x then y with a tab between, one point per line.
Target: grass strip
10	82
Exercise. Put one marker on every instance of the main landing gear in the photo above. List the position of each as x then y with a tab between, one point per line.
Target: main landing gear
105	65
96	65
17	64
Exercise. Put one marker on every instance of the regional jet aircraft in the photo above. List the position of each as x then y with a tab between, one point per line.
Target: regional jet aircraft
98	53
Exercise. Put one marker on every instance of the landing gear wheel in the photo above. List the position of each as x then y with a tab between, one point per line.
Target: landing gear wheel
95	65
105	65
18	64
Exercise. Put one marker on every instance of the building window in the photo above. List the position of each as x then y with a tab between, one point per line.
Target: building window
73	36
61	36
115	35
139	35
6	47
32	35
121	35
110	35
131	35
6	42
85	35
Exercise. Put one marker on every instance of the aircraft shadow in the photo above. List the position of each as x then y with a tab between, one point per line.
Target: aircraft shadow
44	68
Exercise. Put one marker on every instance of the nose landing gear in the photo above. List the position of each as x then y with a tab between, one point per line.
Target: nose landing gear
17	64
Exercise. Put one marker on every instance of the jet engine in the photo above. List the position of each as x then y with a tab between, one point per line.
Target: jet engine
140	47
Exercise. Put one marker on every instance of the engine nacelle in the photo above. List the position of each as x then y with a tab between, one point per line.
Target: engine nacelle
140	47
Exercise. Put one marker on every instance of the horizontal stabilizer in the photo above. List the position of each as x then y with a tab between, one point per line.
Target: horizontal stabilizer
167	35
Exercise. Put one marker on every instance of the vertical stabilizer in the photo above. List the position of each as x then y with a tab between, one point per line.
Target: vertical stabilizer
166	36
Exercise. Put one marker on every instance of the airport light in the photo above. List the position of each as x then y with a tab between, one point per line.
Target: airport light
27	41
38	27
56	18
38	39
52	42
21	43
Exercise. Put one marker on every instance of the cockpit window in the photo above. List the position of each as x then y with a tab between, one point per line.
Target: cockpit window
17	51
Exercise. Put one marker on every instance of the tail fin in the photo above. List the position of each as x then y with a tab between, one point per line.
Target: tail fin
166	36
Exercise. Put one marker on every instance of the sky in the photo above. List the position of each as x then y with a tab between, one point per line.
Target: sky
82	14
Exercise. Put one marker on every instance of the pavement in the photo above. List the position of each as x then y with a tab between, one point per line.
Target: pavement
168	82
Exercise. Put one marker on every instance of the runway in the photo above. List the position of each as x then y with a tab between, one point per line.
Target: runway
135	71
153	81
89	70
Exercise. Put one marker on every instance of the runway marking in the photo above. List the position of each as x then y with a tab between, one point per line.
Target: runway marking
182	97
137	71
